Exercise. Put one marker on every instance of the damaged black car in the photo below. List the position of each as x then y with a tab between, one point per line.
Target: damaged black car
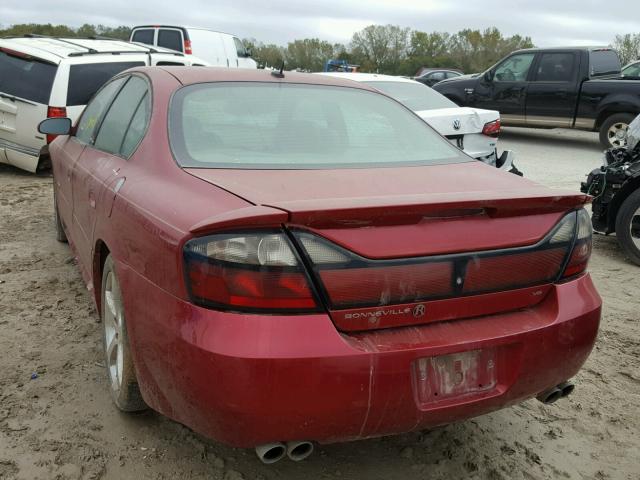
615	187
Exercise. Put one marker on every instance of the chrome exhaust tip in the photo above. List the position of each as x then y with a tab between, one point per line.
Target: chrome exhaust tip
271	452
298	451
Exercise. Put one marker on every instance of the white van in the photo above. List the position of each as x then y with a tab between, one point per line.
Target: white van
43	77
217	48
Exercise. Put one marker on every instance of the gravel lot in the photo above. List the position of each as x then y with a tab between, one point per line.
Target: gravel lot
62	424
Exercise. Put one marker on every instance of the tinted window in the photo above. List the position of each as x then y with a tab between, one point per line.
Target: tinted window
267	125
117	120
414	95
242	51
86	79
604	61
95	111
137	127
170	39
28	79
514	68
170	64
143	36
556	67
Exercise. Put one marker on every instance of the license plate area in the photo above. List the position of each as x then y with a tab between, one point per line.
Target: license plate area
456	375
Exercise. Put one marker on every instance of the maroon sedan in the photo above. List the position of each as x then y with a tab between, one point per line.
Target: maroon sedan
282	260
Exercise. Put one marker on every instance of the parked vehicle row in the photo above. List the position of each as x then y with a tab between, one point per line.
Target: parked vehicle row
576	87
55	77
281	258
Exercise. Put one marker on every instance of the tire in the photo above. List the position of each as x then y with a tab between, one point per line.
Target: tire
612	124
118	361
60	235
628	227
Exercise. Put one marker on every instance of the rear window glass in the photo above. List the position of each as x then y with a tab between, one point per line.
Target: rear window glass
26	78
415	96
143	36
555	67
266	125
604	61
170	39
86	79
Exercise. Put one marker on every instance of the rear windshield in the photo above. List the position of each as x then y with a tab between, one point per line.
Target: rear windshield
26	78
292	126
604	62
414	95
86	79
171	39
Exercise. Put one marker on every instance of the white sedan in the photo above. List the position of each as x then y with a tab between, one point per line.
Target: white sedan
473	130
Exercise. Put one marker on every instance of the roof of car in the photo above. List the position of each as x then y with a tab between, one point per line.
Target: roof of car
192	75
367	77
55	49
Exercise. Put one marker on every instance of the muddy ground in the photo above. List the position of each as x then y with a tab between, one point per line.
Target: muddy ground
62	425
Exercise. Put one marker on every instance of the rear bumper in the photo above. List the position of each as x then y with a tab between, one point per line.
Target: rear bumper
249	379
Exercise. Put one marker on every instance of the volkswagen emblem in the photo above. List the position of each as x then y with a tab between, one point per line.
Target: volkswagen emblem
456	124
418	311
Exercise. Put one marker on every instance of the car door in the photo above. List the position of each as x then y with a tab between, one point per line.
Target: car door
504	88
101	162
144	35
171	38
553	91
64	163
434	77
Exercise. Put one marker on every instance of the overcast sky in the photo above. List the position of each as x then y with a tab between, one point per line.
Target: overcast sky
547	22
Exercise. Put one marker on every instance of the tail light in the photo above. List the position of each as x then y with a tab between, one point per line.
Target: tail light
492	129
55	112
187	47
348	280
247	272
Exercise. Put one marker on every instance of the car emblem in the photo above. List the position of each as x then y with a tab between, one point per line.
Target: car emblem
456	124
418	311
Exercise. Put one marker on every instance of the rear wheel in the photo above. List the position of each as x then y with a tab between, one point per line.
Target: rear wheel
60	235
117	354
628	227
613	131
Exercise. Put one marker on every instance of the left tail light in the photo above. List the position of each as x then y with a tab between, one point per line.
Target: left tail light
492	129
248	272
187	47
55	112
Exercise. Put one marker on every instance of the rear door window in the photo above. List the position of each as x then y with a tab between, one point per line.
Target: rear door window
26	77
96	109
604	62
120	115
143	36
85	79
170	38
556	67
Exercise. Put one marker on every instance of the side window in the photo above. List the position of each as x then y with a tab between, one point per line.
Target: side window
144	35
171	39
555	67
86	78
437	76
95	110
452	74
137	126
240	48
514	68
114	126
170	64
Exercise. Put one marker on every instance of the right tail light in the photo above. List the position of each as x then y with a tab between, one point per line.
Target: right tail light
492	129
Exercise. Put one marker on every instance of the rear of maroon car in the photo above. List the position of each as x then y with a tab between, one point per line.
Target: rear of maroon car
350	301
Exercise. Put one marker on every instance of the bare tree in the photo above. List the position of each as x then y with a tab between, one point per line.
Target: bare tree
628	47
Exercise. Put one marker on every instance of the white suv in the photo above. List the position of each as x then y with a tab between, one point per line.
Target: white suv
45	77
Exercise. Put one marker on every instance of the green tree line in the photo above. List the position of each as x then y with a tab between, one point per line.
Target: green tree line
47	29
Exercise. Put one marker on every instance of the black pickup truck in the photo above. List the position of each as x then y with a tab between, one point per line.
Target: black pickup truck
576	87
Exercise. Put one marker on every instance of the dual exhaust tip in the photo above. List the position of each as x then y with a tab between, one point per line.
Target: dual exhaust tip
556	393
274	452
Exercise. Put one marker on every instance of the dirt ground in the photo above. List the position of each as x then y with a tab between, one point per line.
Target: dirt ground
62	425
